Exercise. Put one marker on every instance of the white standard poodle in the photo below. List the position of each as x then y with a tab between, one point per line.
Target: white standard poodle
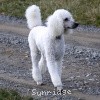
49	42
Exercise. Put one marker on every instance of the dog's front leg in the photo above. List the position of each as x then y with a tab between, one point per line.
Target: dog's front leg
54	73
53	69
59	66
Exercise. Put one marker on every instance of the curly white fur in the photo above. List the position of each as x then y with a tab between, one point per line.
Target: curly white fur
49	41
33	16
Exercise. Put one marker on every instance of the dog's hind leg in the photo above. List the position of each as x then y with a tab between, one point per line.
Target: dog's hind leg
36	74
42	64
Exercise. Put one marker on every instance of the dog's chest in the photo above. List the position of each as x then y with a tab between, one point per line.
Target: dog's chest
59	47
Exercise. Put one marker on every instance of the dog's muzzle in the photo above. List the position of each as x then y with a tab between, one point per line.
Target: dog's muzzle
75	25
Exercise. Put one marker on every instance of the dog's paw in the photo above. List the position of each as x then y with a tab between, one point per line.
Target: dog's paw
60	88
39	83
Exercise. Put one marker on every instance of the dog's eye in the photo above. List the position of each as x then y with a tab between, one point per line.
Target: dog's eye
66	19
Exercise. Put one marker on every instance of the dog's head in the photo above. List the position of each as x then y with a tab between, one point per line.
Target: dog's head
67	18
62	21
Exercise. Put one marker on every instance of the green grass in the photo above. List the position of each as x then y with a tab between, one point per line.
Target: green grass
12	95
84	11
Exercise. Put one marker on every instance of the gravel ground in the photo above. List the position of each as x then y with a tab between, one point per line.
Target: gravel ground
81	67
81	70
12	20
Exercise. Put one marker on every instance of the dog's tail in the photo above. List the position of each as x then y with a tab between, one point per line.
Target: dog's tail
33	16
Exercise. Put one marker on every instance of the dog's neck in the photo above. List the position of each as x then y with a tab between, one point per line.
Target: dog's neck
55	32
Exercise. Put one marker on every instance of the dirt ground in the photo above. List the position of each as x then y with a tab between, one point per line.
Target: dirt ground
81	65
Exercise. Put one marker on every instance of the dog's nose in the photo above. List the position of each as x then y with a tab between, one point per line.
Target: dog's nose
75	25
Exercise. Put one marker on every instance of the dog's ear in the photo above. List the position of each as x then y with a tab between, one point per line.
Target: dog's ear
46	21
55	24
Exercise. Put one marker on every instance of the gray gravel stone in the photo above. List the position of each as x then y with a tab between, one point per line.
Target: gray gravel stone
81	64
